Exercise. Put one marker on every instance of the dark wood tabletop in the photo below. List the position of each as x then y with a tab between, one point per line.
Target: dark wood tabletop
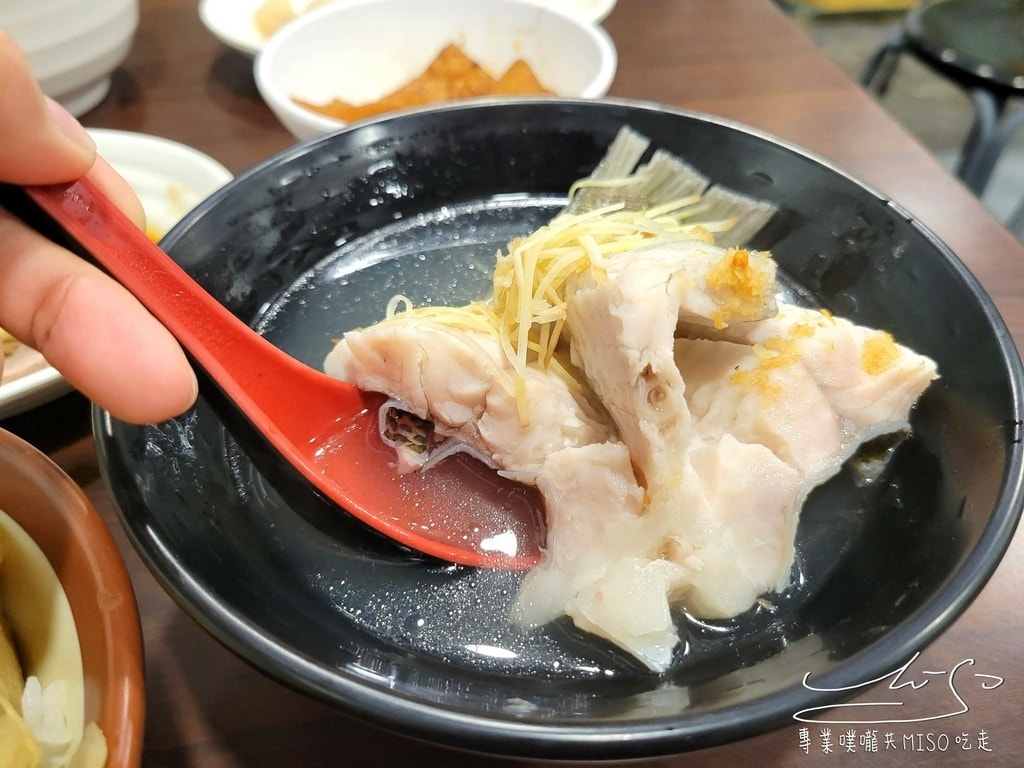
740	59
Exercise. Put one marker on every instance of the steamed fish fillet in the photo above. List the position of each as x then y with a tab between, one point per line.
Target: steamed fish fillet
717	508
866	376
571	454
783	409
719	410
635	365
730	433
810	389
807	384
619	571
623	325
595	515
459	380
627	605
575	482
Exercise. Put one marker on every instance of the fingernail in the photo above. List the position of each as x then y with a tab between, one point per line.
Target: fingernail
70	127
195	389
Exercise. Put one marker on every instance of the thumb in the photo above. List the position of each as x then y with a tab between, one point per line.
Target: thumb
42	143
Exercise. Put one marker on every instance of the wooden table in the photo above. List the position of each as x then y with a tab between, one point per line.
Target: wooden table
742	59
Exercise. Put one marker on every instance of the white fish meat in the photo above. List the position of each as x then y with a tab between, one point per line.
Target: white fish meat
459	380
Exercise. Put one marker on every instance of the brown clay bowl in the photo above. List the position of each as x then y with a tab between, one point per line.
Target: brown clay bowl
58	516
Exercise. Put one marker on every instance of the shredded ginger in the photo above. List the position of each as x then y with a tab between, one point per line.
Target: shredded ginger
527	307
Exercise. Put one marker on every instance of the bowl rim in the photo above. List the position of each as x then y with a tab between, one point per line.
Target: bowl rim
112	654
249	42
657	736
283	106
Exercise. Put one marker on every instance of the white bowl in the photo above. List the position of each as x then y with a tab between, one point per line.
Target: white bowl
360	51
72	46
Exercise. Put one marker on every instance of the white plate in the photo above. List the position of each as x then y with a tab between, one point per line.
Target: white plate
28	381
232	21
170	179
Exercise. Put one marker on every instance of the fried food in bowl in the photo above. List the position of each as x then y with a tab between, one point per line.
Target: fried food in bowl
358	53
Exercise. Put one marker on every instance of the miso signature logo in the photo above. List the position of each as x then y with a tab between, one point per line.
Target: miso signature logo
907	698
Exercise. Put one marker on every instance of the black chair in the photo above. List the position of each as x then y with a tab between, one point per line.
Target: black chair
979	45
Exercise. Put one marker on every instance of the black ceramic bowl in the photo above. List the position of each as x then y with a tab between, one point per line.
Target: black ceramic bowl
317	239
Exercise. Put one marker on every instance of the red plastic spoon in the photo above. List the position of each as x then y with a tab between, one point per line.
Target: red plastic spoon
327	429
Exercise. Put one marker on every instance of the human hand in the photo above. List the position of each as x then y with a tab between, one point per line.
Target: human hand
86	325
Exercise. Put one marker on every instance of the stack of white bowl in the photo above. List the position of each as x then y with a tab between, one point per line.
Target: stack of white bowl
73	46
